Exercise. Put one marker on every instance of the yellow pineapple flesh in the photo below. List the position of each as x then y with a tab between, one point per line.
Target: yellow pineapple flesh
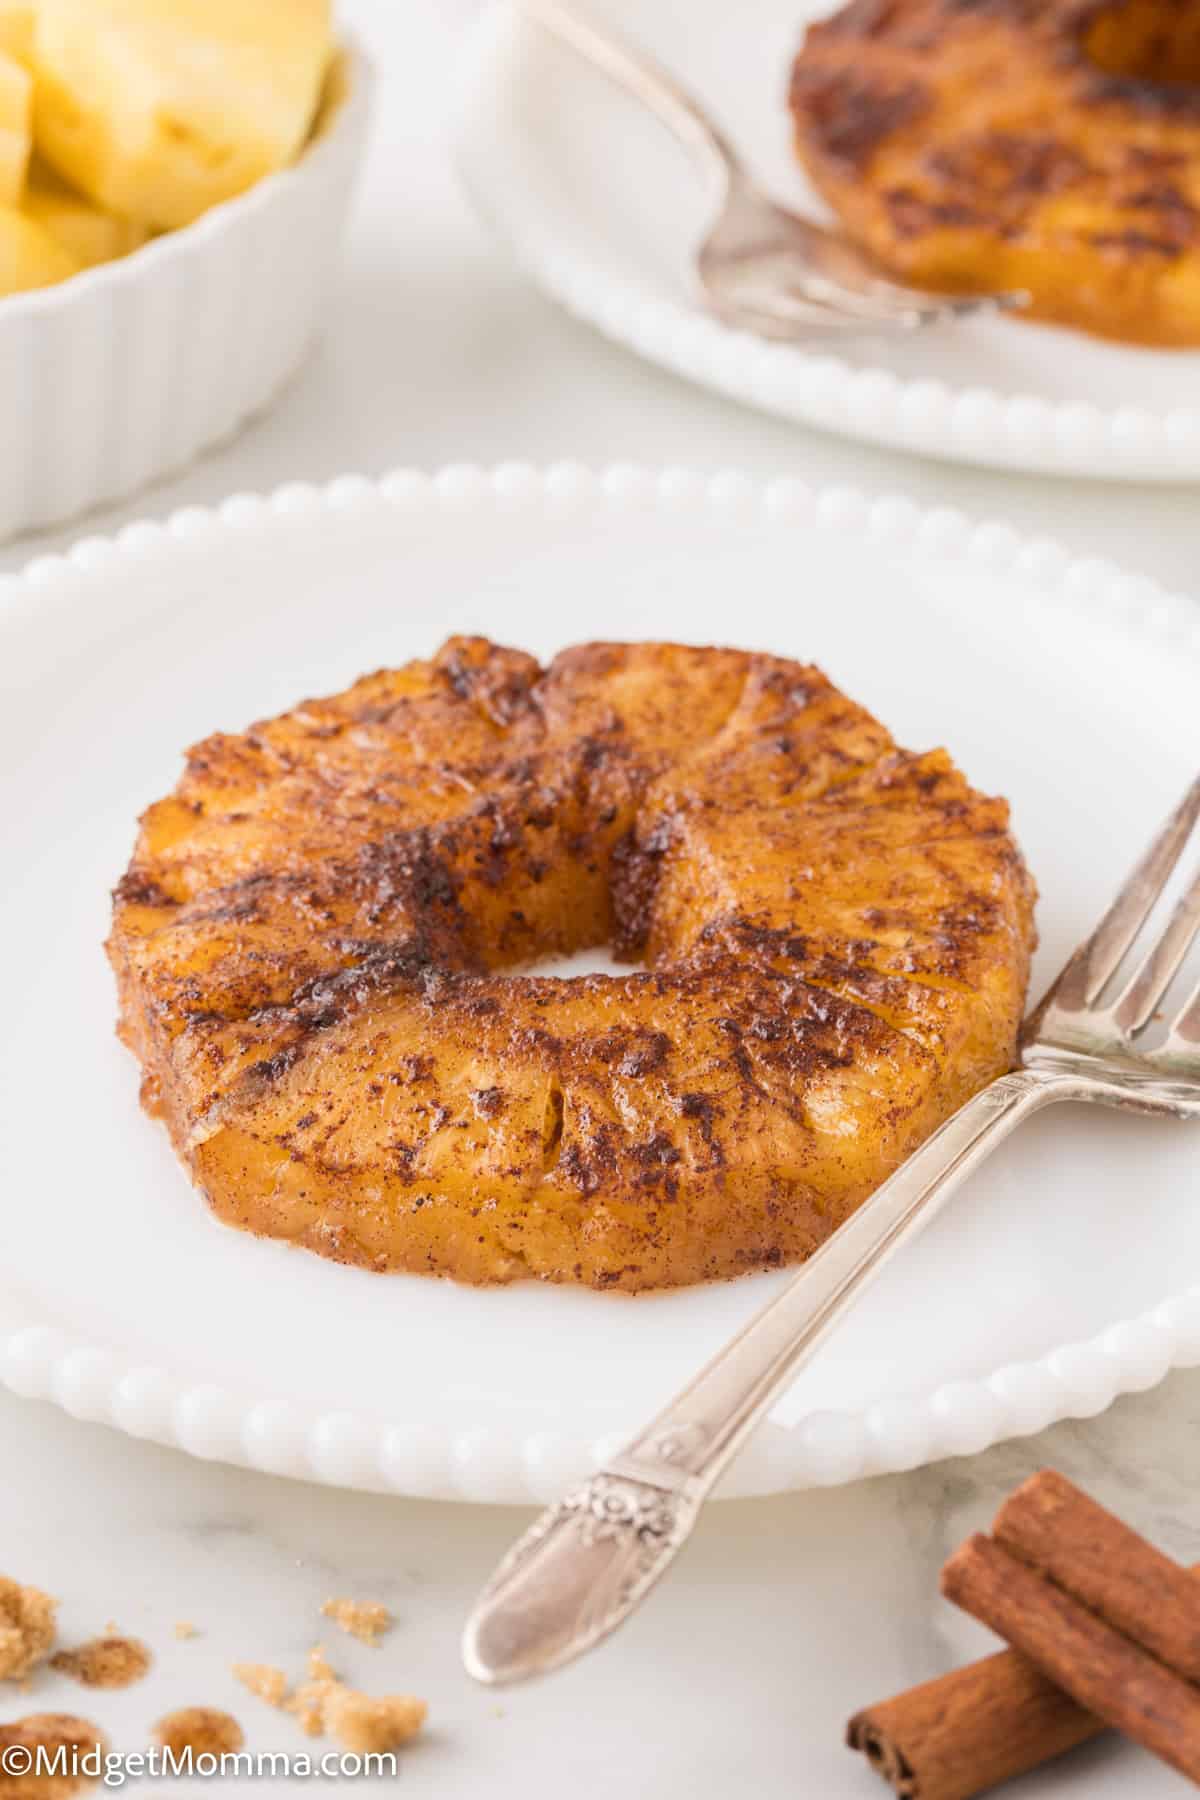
16	29
16	122
29	256
159	109
86	231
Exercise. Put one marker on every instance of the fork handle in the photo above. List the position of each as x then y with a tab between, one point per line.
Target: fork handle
647	81
690	1444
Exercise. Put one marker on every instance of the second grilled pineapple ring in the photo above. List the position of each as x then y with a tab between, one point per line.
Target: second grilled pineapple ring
1050	145
318	946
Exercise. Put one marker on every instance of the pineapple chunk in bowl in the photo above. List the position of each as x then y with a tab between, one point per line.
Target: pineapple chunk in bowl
160	109
16	126
179	195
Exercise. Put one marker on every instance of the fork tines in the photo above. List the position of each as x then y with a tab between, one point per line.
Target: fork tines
1099	959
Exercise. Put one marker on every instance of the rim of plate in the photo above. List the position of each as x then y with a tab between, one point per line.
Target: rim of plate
105	1382
973	424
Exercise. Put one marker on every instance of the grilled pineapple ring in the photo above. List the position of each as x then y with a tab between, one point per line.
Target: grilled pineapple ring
316	948
1050	145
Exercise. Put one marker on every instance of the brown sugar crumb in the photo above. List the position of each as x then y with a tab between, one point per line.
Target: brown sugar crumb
203	1730
185	1629
324	1703
26	1628
307	1706
264	1681
308	1703
363	1724
308	1710
367	1620
51	1732
104	1662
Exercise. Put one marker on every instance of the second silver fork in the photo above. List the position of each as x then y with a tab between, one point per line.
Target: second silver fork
587	1562
760	268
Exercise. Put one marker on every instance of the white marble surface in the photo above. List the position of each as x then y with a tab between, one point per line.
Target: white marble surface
785	1614
736	1678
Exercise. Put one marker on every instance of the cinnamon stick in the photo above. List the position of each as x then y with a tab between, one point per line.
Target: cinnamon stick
1103	1671
1077	1543
966	1732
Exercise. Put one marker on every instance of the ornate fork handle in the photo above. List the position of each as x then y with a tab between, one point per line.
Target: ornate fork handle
586	1563
648	82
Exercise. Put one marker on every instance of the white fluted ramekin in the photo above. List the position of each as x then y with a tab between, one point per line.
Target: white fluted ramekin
126	372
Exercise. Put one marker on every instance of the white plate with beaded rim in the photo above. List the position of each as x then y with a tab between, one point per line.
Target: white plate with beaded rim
1052	1283
601	209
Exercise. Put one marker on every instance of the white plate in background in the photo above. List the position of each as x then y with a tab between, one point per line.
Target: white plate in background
601	208
1059	1278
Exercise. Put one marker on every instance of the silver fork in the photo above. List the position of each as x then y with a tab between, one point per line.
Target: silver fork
761	268
586	1563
